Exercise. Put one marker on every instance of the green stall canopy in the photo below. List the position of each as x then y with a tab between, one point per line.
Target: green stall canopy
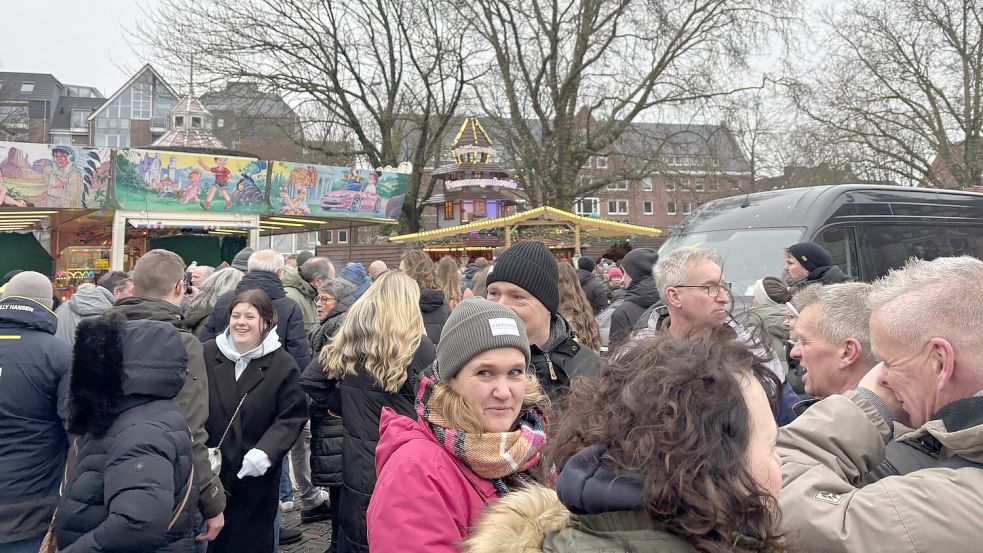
24	252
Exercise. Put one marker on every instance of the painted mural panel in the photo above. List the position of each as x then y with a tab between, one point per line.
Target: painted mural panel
173	181
323	191
43	175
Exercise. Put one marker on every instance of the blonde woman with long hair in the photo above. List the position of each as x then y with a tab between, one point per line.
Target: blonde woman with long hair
374	361
449	280
576	310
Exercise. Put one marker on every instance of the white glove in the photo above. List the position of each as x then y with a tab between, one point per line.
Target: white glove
254	463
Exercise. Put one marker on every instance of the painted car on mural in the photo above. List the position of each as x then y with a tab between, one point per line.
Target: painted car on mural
352	200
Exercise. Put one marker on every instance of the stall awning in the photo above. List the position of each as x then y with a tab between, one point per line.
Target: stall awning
539	216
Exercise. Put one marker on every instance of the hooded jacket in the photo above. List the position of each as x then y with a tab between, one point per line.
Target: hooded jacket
562	359
360	401
32	437
932	509
130	482
597	295
435	312
299	290
767	321
290	320
90	301
424	496
593	509
640	295
468	280
831	274
193	397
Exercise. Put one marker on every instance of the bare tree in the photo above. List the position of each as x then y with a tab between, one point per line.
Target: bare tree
902	85
575	74
384	76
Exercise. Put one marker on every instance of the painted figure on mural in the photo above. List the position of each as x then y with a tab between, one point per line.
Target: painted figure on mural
373	180
221	184
6	198
302	179
63	180
192	190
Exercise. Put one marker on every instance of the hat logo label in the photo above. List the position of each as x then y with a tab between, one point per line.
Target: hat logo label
503	327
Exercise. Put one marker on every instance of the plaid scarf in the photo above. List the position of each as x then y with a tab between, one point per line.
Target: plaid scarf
496	456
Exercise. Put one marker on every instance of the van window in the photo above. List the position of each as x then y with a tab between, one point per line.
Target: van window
748	254
889	246
842	245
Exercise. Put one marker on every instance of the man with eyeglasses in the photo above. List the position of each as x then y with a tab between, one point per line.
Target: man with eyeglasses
929	377
696	306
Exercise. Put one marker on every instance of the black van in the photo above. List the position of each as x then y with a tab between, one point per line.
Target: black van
869	229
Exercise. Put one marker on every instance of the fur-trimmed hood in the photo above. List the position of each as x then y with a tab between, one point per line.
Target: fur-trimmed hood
119	364
519	522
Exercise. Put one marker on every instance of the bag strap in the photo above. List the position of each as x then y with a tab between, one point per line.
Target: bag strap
184	502
226	433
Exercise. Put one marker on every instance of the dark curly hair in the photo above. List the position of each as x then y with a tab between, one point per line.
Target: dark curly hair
673	411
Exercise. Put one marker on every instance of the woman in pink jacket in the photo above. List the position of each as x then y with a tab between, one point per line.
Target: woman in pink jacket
480	430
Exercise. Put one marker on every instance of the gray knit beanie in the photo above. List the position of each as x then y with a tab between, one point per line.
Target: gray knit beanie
31	285
475	326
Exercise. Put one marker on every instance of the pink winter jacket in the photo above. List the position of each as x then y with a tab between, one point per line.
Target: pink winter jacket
424	499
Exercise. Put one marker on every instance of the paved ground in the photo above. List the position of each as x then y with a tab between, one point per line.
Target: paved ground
317	536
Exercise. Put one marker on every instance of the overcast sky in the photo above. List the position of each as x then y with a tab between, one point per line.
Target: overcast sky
80	43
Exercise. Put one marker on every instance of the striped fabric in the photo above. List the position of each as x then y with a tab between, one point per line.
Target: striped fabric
492	455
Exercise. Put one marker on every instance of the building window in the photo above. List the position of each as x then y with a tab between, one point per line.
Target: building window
671	208
699	184
687	208
342	236
15	117
617	207
61	139
221	123
647	184
480	208
714	186
196	122
449	210
328	236
602	162
684	184
140	95
647	207
79	117
620	185
670	185
586	164
587	207
735	185
27	87
100	122
178	121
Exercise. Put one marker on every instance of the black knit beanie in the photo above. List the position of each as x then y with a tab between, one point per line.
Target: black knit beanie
638	263
811	256
530	266
586	264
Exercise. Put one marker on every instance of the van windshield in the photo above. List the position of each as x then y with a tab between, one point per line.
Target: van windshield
748	254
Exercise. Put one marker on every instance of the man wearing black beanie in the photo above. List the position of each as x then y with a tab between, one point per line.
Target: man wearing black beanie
525	278
641	294
597	296
809	263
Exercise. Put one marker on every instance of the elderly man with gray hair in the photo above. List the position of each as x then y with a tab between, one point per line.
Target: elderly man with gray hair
832	338
301	286
925	326
697	307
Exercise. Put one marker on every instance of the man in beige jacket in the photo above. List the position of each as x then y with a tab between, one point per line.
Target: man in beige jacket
925	329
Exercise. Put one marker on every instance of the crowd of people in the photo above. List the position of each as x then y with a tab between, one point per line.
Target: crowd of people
515	403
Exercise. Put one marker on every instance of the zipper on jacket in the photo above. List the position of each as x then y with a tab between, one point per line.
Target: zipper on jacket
549	363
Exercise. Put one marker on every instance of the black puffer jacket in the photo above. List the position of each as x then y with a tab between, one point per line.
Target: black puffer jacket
597	295
831	274
640	296
327	430
361	401
290	321
435	312
130	482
